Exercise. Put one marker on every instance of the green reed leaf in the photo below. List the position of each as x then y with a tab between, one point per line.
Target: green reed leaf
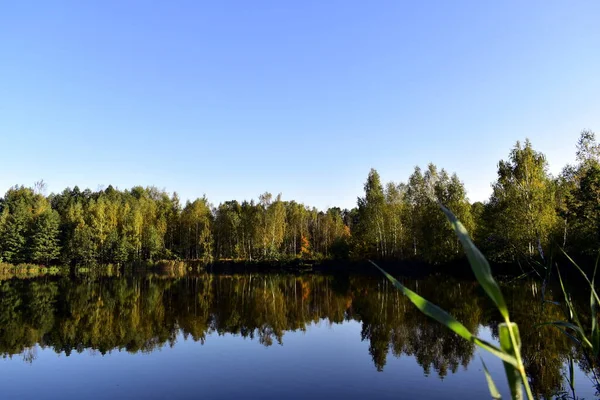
571	378
595	336
577	327
594	293
512	373
563	324
491	385
479	264
435	312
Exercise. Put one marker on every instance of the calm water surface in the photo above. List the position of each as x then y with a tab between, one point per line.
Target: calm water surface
161	336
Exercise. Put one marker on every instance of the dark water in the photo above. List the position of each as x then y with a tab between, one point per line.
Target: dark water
161	336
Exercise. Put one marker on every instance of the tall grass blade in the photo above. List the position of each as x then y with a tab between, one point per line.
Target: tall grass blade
594	293
595	336
576	341
572	315
571	378
435	312
564	324
491	385
479	264
513	374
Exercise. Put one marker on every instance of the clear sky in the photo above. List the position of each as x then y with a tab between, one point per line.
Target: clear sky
234	98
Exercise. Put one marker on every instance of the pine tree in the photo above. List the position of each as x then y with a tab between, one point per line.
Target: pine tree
13	237
44	246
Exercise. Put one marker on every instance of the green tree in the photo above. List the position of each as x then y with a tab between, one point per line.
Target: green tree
451	192
371	228
196	228
418	198
577	198
297	218
585	205
19	207
271	229
249	223
433	239
227	230
396	219
44	246
522	207
14	234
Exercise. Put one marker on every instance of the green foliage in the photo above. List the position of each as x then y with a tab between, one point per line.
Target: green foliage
521	212
510	342
44	246
528	213
584	206
13	237
20	209
402	221
371	228
577	191
196	236
271	225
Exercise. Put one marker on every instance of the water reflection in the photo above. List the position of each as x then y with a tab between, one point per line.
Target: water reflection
143	312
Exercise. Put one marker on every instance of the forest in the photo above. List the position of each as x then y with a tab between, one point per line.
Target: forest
529	214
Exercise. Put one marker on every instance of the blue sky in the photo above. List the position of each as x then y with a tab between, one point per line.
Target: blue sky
234	98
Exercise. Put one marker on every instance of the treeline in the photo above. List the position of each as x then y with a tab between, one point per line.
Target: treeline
113	226
528	214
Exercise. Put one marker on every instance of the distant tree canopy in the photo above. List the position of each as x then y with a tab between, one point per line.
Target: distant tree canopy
528	212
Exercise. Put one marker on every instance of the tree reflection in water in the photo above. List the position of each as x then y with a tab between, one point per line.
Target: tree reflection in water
143	312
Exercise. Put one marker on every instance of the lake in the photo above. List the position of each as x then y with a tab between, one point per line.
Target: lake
270	336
